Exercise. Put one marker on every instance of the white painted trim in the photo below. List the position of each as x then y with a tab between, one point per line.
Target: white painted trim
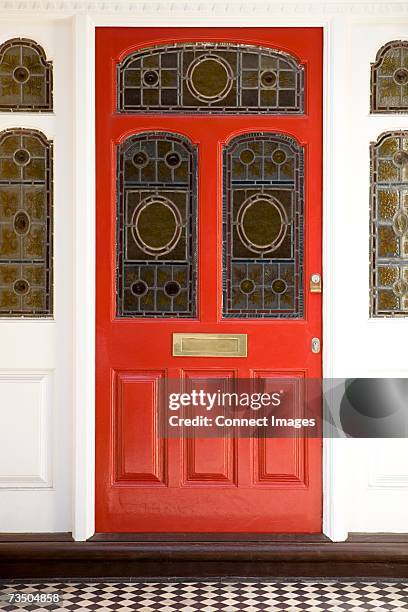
84	353
217	8
84	279
388	481
334	517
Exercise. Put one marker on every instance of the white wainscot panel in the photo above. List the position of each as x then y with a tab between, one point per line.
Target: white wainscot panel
26	426
389	467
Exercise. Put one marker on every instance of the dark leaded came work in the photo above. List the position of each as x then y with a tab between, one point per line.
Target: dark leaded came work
25	223
389	78
263	227
389	225
210	78
156	226
25	77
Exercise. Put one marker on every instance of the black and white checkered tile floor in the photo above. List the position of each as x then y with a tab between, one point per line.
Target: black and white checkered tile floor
213	596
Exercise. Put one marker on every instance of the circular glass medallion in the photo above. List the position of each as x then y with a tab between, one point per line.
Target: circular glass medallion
21	287
262	223
247	156
400	76
21	222
139	288
279	156
157	225
151	78
400	158
22	157
247	285
268	79
279	286
173	159
401	223
209	78
140	159
21	74
401	287
171	288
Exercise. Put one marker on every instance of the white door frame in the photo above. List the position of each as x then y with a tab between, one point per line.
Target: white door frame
161	15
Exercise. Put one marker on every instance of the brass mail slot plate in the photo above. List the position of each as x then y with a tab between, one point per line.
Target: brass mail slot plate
209	345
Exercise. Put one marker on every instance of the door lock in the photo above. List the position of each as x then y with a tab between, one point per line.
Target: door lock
315	345
315	283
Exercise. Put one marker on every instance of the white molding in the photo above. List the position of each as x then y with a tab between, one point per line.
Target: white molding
334	516
84	279
388	481
43	479
290	8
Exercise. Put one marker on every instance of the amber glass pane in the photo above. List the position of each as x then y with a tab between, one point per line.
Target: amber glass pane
210	78
389	226
263	227
25	77
25	223
156	226
389	78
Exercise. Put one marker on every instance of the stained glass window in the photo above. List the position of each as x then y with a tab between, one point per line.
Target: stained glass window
210	78
263	227
389	225
389	78
156	226
25	223
25	77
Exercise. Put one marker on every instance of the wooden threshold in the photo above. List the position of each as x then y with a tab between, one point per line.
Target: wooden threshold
178	555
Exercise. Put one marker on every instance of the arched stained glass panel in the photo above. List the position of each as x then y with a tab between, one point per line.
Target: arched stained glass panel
210	78
25	223
389	225
389	78
25	77
156	226
263	227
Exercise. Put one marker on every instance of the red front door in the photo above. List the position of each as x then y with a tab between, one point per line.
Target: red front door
209	144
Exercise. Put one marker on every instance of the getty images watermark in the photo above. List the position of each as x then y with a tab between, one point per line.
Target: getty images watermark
214	401
290	406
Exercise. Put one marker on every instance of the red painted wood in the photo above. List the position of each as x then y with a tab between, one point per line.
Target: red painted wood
242	489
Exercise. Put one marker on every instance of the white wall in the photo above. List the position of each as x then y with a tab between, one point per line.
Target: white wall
366	482
36	354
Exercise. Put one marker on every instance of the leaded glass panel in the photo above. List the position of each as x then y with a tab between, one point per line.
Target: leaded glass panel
389	78
156	226
25	77
210	78
263	227
389	225
25	223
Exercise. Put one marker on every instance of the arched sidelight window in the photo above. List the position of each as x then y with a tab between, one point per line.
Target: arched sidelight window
25	77
389	78
156	226
263	227
25	223
210	78
389	225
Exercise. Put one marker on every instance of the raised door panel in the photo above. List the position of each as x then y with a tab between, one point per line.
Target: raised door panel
209	462
139	451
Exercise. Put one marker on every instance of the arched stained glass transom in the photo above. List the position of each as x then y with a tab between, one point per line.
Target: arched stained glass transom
156	226
389	78
263	227
25	77
25	223
210	78
389	225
